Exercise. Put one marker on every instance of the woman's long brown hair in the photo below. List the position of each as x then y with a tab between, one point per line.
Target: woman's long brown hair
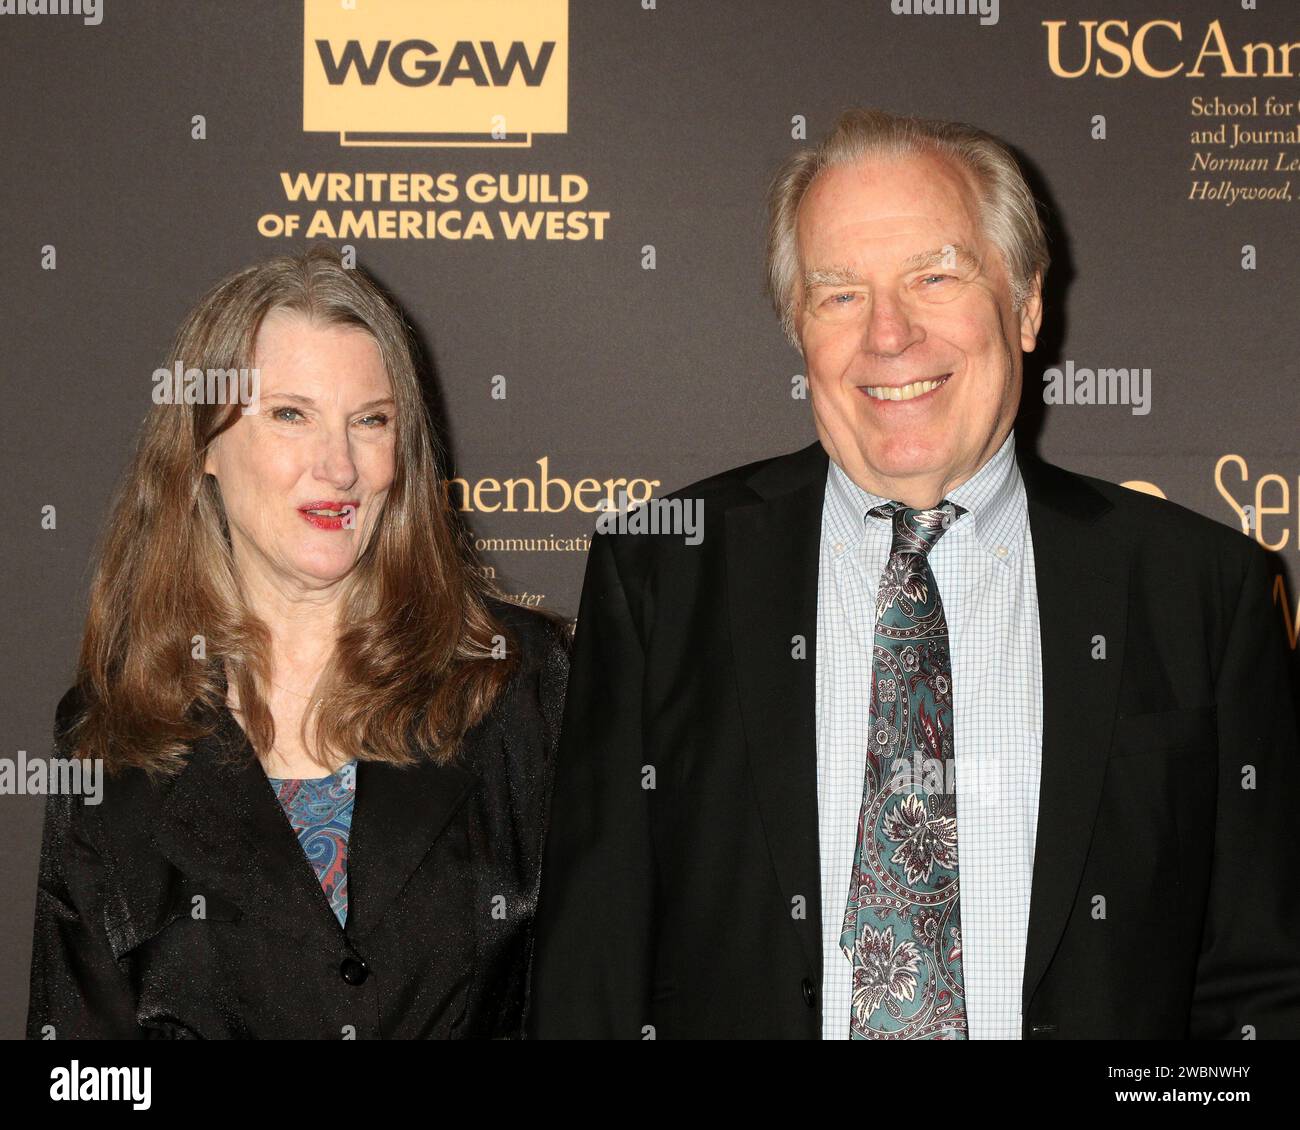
418	656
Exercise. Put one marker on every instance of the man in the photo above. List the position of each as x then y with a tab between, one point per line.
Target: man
927	738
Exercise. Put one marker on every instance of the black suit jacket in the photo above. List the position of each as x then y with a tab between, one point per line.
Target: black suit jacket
693	908
443	867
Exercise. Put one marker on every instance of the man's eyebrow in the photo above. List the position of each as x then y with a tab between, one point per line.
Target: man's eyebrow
949	254
953	253
831	276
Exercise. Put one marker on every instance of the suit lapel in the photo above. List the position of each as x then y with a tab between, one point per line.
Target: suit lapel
222	826
772	562
400	812
1082	583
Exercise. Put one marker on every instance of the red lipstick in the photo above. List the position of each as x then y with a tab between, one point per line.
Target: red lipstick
330	513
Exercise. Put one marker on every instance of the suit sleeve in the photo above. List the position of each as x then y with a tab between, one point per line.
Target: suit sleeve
594	956
78	989
1248	974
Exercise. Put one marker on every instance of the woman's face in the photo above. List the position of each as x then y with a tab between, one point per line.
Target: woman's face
303	477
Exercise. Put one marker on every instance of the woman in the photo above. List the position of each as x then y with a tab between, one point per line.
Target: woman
328	747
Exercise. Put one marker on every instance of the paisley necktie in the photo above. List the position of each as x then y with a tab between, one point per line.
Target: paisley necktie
902	926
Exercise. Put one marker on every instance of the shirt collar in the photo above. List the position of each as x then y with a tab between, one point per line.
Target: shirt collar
994	497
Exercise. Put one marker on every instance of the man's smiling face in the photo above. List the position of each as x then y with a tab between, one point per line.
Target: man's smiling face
912	347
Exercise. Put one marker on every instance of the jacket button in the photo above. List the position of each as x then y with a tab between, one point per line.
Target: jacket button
809	992
354	971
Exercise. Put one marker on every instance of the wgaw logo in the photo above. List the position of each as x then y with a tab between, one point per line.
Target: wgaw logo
436	72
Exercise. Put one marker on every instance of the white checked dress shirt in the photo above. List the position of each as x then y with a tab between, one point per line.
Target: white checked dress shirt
984	567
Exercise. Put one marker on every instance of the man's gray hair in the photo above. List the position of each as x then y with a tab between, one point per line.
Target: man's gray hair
1007	208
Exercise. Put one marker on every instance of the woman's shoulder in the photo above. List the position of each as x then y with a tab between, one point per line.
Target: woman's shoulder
542	641
68	713
541	636
125	791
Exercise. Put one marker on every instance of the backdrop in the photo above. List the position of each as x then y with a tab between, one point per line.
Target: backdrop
567	198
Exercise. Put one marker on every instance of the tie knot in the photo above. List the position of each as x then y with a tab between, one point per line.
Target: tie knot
916	531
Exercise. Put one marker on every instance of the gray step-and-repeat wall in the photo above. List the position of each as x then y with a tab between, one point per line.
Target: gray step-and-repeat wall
593	250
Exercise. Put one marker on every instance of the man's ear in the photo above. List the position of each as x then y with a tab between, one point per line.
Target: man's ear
1031	315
